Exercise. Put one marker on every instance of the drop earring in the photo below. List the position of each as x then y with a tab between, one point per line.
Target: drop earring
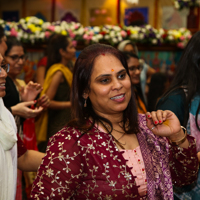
85	103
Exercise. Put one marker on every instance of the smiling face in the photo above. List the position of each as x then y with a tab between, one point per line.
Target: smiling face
15	64
110	86
134	71
3	76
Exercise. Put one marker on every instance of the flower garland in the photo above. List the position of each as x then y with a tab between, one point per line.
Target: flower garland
180	4
34	30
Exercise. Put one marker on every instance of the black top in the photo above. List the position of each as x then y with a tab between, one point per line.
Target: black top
12	95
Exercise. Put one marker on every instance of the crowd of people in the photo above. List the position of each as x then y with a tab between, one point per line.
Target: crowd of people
93	130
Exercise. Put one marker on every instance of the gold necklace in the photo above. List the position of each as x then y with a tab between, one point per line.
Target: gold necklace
116	140
118	131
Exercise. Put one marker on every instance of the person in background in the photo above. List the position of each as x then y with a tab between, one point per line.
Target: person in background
146	73
57	87
16	90
19	98
42	65
135	69
41	70
183	98
108	151
157	86
13	153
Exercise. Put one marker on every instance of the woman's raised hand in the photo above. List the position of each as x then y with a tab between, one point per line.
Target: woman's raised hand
165	124
30	91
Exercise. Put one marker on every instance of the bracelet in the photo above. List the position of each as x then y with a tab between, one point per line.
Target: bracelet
181	140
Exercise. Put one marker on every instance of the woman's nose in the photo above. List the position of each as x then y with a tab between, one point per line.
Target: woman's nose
137	71
117	84
3	73
20	61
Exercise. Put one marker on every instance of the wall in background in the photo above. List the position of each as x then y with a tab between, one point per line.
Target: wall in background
80	9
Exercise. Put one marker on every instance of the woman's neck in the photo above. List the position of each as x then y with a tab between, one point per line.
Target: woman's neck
115	119
64	61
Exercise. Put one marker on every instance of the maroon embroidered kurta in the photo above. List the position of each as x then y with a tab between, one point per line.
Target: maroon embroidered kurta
93	168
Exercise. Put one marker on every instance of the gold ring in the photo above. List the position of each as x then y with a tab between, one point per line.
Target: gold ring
33	111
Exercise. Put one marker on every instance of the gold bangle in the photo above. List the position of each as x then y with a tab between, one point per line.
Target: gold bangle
181	140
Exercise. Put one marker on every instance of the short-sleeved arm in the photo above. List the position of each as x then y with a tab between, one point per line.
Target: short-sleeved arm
21	149
61	170
42	62
174	102
184	163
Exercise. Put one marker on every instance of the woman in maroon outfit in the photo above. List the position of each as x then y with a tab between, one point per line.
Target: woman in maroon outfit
109	151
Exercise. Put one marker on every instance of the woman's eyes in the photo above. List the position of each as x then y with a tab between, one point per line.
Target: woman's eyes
108	80
105	80
131	68
122	76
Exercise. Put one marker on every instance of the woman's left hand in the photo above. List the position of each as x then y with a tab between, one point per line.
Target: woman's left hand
164	123
30	91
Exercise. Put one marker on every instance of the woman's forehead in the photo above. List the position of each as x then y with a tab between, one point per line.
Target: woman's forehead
16	49
106	64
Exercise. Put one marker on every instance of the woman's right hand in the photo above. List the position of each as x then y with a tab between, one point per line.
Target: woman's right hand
22	109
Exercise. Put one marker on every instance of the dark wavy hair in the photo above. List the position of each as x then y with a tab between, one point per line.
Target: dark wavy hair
188	74
11	42
157	87
81	83
56	42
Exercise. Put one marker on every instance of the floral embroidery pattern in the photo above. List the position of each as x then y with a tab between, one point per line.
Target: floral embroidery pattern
91	167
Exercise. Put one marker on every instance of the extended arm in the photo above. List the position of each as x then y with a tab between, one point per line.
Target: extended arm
30	160
22	109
